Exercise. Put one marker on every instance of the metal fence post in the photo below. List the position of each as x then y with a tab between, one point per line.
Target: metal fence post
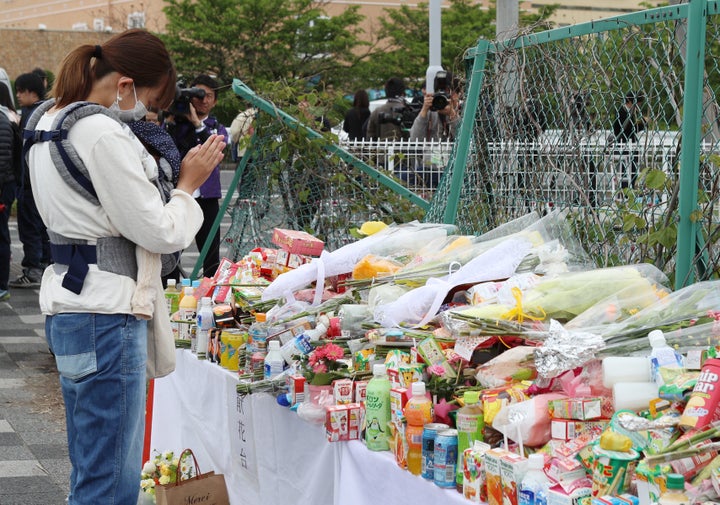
690	153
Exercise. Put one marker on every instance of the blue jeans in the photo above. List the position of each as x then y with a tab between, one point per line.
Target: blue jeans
101	359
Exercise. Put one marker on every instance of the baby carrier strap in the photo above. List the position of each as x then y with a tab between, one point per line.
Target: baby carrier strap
63	154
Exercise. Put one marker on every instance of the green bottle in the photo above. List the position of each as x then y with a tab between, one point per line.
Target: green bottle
377	410
470	424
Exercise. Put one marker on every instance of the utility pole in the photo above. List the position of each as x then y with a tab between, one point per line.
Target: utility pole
435	46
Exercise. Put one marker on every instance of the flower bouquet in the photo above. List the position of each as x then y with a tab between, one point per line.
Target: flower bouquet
161	470
323	365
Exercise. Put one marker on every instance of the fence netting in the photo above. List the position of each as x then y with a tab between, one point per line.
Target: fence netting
588	119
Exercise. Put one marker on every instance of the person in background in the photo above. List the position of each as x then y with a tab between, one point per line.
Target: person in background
42	75
100	345
190	131
629	121
385	121
438	125
357	115
10	160
30	92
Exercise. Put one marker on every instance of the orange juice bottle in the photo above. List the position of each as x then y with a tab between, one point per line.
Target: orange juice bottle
418	413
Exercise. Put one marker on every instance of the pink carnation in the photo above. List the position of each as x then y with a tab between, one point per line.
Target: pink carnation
436	370
319	368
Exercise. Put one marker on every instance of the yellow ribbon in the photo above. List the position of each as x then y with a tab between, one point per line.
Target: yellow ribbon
517	311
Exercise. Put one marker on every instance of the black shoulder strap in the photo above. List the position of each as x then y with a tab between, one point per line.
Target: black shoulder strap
65	158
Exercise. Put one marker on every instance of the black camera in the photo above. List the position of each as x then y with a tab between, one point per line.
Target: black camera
440	85
402	115
181	104
395	116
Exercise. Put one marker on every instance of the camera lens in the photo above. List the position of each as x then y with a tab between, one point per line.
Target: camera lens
440	101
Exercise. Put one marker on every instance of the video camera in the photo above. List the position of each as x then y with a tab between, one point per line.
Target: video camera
181	104
401	115
441	85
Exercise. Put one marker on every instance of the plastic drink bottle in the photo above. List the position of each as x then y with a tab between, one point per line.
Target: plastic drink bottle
184	283
172	296
470	424
675	493
204	322
377	410
274	361
257	345
187	312
534	486
662	356
418	413
172	299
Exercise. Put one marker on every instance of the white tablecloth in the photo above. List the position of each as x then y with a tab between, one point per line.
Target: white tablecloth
270	456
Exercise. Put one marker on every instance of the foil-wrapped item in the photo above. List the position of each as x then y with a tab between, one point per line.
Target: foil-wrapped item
565	350
633	422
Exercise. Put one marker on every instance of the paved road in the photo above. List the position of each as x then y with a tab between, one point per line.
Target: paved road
34	465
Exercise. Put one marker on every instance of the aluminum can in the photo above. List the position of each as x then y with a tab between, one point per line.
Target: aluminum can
445	458
430	430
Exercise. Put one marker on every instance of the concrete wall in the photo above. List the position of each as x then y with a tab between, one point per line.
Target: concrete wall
23	50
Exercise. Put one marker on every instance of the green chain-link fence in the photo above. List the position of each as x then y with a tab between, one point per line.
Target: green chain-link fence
596	118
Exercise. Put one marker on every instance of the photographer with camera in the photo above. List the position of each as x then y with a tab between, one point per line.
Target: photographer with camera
190	124
437	121
440	113
386	122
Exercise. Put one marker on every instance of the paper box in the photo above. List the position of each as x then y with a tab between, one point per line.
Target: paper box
581	496
493	478
512	470
566	429
360	391
474	484
582	409
298	242
342	422
398	399
296	388
225	271
343	391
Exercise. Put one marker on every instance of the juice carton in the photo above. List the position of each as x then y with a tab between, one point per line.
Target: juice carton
296	388
474	478
360	390
580	496
398	399
512	470
493	479
343	391
342	422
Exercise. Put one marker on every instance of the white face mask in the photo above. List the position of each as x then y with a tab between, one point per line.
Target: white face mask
127	116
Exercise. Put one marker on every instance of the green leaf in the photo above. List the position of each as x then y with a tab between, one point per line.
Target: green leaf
655	179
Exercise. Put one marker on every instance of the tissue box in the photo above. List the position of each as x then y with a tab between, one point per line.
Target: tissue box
298	242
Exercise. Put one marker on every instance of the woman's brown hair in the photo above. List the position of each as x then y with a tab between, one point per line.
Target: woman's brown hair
136	53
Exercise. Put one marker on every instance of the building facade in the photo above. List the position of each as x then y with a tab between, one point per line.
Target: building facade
116	15
38	33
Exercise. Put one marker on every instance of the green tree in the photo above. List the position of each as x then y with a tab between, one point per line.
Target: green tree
404	35
261	41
